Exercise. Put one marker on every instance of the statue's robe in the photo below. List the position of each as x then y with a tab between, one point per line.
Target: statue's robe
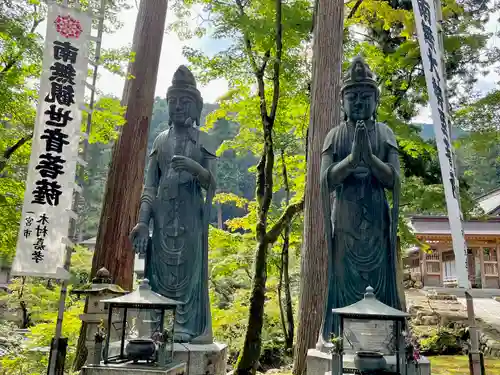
177	258
360	226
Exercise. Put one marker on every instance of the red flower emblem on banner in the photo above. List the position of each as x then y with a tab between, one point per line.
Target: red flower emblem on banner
68	27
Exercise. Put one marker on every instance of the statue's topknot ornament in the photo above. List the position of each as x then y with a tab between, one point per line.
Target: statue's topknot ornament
184	83
359	73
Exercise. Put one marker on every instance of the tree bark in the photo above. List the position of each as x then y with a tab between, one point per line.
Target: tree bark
126	173
325	113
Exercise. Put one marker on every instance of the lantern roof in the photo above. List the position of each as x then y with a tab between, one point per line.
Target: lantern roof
143	297
101	284
370	308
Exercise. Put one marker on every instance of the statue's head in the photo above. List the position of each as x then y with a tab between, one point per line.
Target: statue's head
184	99
360	93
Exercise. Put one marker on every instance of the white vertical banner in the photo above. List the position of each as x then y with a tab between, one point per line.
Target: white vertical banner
432	57
41	244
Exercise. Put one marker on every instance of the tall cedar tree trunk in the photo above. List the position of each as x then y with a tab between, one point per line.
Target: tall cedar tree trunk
250	353
325	113
286	308
126	172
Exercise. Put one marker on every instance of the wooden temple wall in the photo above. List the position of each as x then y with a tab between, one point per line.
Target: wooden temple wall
436	267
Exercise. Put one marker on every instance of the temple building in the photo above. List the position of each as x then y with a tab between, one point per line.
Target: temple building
435	267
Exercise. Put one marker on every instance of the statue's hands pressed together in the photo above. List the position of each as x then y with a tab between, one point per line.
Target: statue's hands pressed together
367	148
183	163
139	238
357	144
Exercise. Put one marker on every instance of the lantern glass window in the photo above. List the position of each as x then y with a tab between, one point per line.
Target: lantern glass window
370	335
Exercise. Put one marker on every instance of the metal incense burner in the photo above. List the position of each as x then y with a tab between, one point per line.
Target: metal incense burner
140	328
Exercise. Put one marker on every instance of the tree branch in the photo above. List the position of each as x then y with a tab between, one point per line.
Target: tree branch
285	219
259	72
260	193
268	171
267	166
277	60
259	76
14	59
10	151
248	43
354	9
262	69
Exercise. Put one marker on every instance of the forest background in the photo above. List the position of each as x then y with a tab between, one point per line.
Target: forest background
258	60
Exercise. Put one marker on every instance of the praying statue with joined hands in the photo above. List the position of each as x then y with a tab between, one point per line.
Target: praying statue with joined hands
359	163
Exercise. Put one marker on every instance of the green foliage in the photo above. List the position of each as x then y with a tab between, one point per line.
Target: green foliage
81	263
231	258
442	341
40	299
479	149
30	359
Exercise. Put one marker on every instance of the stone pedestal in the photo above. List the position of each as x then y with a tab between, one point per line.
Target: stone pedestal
131	369
209	359
319	363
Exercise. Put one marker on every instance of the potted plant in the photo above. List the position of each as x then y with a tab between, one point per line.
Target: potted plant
161	338
337	350
338	346
412	351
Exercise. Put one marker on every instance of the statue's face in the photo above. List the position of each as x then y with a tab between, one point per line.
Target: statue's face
180	108
360	102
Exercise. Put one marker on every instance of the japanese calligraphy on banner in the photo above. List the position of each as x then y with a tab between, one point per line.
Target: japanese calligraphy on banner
41	244
426	23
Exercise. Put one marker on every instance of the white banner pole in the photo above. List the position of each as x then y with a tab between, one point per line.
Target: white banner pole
433	62
48	198
62	299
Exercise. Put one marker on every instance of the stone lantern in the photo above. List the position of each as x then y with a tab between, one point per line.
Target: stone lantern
371	336
144	328
96	317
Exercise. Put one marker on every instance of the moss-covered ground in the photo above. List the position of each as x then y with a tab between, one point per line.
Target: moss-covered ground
459	365
440	365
